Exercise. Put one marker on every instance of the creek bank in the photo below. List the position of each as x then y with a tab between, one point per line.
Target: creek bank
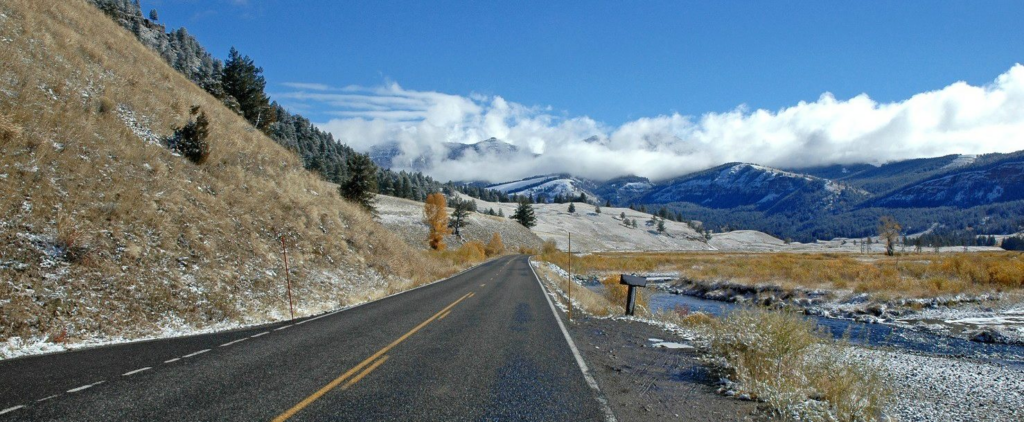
978	318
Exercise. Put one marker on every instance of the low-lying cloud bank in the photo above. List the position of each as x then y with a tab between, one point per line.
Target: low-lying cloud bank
957	119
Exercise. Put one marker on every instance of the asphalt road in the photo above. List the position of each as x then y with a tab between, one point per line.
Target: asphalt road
483	345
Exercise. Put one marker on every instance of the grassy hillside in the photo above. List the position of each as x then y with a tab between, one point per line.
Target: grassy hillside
105	232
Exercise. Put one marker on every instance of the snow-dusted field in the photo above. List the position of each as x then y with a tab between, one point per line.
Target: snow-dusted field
605	231
405	218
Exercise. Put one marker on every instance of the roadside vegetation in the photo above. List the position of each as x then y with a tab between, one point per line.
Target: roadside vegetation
784	360
779	358
911	275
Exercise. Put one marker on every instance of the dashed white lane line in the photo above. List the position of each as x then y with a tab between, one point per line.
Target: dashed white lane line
172	360
196	353
84	387
11	409
47	398
233	342
136	371
281	328
260	334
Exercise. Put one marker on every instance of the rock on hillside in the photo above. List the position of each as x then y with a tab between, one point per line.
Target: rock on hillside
405	218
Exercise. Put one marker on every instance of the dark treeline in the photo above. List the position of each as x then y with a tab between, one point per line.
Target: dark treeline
801	226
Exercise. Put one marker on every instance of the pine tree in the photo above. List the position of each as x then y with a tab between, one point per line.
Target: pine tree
460	210
622	215
633	223
661	226
361	184
572	208
244	81
190	140
597	209
524	214
607	204
501	213
153	16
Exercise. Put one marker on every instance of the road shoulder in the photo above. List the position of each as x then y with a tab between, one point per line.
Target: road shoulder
644	383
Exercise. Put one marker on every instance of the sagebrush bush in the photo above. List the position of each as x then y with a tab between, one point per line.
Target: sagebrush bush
785	360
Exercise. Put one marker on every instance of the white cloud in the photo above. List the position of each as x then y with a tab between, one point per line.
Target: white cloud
959	118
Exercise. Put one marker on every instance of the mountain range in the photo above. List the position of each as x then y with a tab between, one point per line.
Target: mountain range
984	193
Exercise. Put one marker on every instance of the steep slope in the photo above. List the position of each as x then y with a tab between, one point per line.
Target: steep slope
106	233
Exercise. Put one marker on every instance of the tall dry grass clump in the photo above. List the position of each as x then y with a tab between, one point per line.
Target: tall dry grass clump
781	359
167	243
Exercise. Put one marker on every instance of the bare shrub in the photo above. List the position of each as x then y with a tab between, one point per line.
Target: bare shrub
106	105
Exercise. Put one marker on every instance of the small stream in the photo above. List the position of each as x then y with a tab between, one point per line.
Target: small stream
879	335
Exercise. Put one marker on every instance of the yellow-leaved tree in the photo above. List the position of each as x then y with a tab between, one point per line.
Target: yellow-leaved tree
435	216
495	246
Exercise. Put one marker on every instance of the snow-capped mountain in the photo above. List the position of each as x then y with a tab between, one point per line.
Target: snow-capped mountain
967	187
741	184
548	187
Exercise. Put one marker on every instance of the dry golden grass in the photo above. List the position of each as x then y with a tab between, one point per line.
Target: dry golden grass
912	275
166	240
583	299
782	359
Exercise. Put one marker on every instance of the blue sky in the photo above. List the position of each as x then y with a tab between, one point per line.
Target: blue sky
604	67
616	61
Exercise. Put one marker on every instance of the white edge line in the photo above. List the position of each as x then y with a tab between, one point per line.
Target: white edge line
136	371
196	353
75	390
233	342
260	334
172	360
608	415
11	409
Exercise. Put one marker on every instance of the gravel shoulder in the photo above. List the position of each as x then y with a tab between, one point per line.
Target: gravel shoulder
645	383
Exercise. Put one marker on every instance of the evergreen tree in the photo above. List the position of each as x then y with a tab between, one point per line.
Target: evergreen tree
501	213
244	81
524	214
153	16
460	210
661	226
633	223
361	184
190	140
607	203
572	208
597	209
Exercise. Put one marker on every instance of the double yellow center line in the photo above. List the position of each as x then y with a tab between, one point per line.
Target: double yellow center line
372	359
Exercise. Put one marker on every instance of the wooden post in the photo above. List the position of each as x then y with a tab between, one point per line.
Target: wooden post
287	277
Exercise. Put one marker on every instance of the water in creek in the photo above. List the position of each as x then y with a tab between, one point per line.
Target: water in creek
882	335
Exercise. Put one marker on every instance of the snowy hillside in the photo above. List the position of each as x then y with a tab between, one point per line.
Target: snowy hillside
605	231
549	187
